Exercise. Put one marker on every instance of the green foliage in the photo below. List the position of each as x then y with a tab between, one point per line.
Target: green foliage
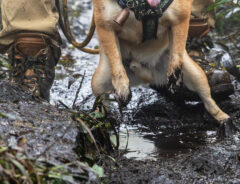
218	3
16	167
228	15
94	137
98	170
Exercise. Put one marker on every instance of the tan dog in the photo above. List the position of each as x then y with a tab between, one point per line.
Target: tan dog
126	61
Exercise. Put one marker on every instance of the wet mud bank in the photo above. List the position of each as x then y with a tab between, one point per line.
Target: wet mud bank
40	123
184	137
47	136
186	148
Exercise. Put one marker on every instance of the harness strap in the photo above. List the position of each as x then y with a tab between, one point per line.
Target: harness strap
142	9
147	14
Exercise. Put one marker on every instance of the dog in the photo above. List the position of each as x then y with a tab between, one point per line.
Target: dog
126	60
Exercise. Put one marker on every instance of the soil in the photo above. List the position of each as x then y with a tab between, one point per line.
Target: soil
185	152
183	135
187	148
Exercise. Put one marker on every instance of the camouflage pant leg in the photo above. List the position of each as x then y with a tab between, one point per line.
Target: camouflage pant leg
199	10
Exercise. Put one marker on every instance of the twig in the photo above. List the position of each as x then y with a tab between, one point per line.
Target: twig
116	133
77	93
89	131
127	139
119	104
225	37
63	104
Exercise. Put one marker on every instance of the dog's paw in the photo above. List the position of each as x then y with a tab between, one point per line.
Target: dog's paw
173	66
122	91
226	129
123	100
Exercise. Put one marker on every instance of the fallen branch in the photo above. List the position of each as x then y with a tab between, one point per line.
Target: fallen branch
77	93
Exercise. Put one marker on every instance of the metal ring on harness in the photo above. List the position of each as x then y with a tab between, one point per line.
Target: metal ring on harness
130	4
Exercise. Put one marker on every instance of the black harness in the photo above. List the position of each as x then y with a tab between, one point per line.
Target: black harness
147	14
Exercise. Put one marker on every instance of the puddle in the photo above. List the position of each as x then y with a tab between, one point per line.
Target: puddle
150	146
136	146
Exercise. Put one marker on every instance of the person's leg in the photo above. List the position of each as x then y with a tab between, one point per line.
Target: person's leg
201	19
199	10
30	35
27	16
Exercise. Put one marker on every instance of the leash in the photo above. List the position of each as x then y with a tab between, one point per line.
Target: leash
65	26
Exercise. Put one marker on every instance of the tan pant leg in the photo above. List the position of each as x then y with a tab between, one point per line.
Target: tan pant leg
199	10
27	15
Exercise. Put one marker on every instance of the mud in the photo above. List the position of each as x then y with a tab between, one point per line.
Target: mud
49	132
168	142
186	148
34	120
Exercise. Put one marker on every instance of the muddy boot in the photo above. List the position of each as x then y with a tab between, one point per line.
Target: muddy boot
33	59
198	28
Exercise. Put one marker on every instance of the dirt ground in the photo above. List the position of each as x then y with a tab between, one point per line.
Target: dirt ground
200	158
184	135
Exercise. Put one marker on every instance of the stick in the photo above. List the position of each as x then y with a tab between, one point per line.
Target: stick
89	132
77	93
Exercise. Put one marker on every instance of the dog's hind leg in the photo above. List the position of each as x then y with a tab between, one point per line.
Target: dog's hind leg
195	80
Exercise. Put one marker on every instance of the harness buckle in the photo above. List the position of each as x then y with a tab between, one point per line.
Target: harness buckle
130	4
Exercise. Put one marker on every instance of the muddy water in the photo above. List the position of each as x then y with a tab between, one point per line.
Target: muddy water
145	146
156	128
156	131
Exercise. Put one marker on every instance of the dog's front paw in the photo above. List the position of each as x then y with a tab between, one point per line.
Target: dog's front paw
122	90
226	129
173	66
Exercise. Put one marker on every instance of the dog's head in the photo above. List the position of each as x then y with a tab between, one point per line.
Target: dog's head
153	3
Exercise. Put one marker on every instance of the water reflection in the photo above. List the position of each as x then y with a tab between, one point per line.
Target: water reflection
144	147
157	132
